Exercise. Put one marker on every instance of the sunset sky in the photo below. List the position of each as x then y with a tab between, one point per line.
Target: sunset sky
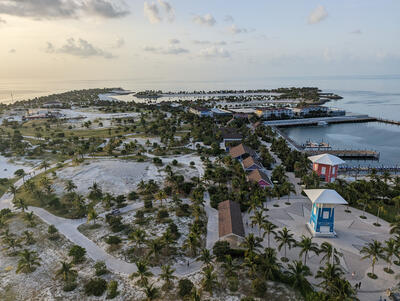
197	40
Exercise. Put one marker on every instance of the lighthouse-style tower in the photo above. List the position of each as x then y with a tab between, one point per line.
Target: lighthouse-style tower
322	219
326	166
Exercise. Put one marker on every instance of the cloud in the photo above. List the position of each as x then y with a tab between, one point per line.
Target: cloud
151	12
174	41
171	49
207	19
205	42
54	9
228	18
12	51
80	48
215	52
317	15
119	43
168	9
236	30
357	31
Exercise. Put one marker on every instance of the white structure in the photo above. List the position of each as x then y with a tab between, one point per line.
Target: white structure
303	111
274	112
322	219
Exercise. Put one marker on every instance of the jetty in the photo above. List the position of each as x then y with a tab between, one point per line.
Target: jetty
349	154
388	121
368	169
319	121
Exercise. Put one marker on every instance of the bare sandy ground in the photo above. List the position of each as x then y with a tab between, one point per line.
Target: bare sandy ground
113	176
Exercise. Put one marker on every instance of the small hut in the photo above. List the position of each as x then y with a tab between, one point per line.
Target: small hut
322	219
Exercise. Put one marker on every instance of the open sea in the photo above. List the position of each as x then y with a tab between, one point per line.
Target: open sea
377	96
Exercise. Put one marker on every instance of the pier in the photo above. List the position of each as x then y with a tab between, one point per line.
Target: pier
319	120
347	154
368	169
341	153
388	121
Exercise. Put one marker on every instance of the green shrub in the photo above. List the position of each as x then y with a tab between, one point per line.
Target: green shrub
112	289
162	213
69	286
101	268
259	287
95	287
77	253
132	196
113	240
185	287
148	204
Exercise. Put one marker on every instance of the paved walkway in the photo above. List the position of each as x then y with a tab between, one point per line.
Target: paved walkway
69	228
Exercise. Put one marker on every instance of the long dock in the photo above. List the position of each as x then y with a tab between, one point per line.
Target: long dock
395	122
319	120
347	153
368	169
344	153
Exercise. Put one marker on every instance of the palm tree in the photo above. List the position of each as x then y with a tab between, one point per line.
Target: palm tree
251	244
288	188
210	279
285	239
92	215
44	165
328	273
30	218
269	264
167	274
155	248
28	236
297	273
70	186
373	251
30	186
142	272
27	262
195	295
206	257
66	271
395	227
138	236
192	243
258	219
229	266
168	239
390	250
20	204
269	228
151	292
331	254
160	196
307	246
13	190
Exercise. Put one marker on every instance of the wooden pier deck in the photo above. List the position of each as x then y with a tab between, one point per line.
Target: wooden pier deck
347	153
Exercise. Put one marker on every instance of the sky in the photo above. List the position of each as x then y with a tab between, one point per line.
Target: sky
197	40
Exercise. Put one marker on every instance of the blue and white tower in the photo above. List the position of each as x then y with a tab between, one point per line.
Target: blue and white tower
322	220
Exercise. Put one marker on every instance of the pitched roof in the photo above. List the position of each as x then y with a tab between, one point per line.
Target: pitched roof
257	175
240	150
250	161
230	219
324	196
327	159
